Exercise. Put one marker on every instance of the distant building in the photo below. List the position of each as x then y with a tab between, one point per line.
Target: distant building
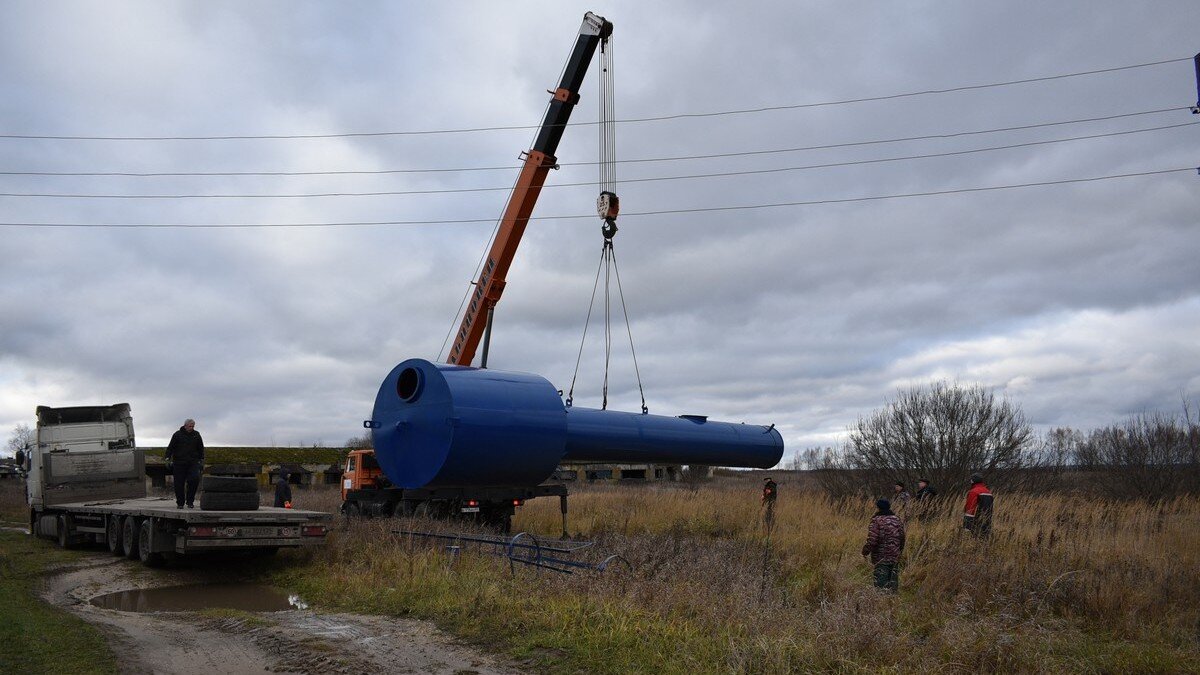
573	472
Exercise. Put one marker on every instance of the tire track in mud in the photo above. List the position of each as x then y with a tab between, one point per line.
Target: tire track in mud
297	641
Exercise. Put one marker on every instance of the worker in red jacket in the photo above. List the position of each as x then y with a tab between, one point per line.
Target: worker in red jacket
977	513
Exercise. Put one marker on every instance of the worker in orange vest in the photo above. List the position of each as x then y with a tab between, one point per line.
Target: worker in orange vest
977	512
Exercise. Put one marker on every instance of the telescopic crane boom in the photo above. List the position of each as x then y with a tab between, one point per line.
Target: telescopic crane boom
538	162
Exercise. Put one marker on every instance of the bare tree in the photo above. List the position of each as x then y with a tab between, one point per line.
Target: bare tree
22	437
943	432
364	441
810	459
1149	456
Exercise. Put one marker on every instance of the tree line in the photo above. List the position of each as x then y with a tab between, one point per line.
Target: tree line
945	432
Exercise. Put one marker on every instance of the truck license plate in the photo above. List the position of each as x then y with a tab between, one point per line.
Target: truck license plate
470	509
261	531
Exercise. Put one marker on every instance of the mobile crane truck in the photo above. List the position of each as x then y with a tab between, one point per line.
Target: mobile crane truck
452	440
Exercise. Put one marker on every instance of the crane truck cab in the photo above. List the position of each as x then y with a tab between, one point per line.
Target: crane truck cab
361	472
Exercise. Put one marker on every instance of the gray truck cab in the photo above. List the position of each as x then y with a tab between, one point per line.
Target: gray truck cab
84	453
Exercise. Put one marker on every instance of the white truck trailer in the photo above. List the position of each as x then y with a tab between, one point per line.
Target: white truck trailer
87	483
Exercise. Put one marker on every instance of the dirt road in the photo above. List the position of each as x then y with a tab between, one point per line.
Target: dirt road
292	641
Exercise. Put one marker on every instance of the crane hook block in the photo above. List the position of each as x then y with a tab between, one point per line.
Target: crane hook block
608	205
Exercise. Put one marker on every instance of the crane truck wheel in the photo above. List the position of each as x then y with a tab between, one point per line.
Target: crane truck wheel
145	546
129	537
113	534
351	510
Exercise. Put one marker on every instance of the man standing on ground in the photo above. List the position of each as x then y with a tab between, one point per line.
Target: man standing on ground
900	499
185	458
770	491
924	499
885	543
283	490
977	513
924	490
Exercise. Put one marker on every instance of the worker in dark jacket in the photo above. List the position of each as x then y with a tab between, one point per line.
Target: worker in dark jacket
185	460
885	543
924	490
283	490
769	493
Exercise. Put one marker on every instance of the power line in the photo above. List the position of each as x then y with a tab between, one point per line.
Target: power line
746	153
724	174
744	207
743	111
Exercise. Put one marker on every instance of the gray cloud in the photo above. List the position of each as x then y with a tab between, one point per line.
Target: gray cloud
1077	301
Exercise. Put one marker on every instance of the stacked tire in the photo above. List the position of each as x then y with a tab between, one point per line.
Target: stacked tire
228	493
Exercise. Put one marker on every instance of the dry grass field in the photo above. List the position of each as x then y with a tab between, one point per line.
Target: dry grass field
1065	584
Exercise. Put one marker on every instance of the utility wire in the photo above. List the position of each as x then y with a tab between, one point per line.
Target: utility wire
746	153
713	209
609	182
744	111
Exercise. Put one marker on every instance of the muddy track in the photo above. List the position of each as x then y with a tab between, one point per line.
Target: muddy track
292	641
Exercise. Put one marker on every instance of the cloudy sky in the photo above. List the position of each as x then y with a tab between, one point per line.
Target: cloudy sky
777	294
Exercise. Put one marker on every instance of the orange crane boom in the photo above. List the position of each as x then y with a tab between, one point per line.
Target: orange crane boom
538	162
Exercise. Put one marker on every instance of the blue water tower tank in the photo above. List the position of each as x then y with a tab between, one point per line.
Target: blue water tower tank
439	425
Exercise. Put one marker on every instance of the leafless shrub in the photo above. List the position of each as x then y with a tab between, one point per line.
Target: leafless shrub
1149	456
943	432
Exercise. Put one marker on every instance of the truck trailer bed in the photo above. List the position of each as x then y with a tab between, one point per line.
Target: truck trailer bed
164	507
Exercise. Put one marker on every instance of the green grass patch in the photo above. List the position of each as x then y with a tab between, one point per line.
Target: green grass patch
36	637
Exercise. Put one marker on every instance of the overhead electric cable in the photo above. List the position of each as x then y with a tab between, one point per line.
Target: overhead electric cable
743	207
744	111
513	167
610	181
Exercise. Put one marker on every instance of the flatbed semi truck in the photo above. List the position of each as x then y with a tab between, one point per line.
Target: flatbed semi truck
86	484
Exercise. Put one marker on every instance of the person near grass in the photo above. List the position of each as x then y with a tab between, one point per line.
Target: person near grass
185	461
900	499
923	499
925	491
283	490
885	543
977	512
769	492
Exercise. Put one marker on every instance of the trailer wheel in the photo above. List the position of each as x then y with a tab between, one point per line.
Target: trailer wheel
146	545
113	533
64	530
129	537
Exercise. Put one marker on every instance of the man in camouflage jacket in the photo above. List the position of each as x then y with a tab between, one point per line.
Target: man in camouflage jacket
885	543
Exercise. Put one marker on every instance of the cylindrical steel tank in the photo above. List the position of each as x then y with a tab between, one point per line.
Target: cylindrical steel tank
438	425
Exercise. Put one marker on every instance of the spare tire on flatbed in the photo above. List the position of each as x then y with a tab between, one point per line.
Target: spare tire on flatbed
229	501
229	484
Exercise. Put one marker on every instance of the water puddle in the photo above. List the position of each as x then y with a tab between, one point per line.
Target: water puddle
246	597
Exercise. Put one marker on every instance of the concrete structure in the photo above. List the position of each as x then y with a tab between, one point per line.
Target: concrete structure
572	472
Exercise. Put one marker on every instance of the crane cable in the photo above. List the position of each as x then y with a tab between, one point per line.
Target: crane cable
607	207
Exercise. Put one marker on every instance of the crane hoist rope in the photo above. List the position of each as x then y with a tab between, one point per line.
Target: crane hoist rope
607	207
